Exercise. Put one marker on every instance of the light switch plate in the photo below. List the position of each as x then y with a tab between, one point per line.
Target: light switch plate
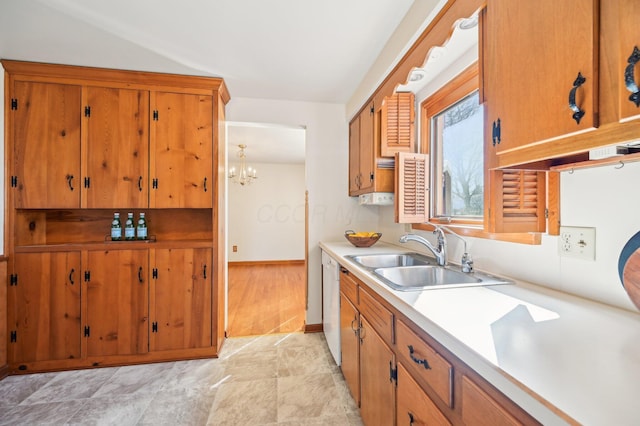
577	242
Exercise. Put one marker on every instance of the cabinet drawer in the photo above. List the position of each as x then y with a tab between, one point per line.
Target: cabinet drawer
478	408
380	318
414	406
424	363
349	286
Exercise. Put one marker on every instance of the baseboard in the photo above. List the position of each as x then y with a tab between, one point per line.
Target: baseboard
4	371
266	262
313	328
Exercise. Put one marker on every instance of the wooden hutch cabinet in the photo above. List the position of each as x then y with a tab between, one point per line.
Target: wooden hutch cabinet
81	144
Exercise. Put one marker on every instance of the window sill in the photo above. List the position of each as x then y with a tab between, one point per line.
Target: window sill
531	238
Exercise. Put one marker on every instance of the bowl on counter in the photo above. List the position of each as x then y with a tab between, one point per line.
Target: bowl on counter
362	239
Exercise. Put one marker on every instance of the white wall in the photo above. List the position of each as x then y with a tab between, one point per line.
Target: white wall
266	218
331	210
604	198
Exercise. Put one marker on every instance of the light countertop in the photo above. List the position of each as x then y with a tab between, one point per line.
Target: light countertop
546	350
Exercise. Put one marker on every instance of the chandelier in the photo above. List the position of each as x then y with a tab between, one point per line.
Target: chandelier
245	175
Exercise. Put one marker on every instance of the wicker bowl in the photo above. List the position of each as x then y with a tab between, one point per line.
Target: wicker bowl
362	241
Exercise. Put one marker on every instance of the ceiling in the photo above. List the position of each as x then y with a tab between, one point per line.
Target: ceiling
300	50
317	51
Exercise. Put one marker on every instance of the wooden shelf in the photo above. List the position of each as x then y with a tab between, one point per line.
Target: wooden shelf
114	245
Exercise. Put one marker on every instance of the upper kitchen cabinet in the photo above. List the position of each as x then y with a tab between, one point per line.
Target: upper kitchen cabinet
540	71
181	135
628	14
117	155
46	124
531	51
365	173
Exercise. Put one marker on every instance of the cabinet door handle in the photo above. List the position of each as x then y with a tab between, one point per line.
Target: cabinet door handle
629	78
418	361
495	133
577	112
205	184
70	181
411	419
355	330
204	272
71	276
140	278
140	183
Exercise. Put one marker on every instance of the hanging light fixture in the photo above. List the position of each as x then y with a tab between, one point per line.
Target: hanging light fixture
245	175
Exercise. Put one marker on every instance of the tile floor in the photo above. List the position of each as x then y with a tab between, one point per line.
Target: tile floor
278	379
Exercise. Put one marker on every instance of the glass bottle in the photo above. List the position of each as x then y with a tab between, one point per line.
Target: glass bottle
129	228
116	228
141	230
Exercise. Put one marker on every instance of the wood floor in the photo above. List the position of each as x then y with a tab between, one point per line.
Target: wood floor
266	298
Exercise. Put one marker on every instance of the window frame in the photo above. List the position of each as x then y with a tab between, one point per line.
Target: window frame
461	86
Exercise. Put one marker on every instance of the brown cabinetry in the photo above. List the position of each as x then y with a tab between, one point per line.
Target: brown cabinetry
181	134
180	299
397	124
533	63
568	97
44	309
398	374
83	143
414	405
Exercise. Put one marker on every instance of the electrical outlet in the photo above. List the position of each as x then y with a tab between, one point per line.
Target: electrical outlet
577	242
235	249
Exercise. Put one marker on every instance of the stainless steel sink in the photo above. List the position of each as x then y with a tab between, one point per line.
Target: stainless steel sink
411	278
373	261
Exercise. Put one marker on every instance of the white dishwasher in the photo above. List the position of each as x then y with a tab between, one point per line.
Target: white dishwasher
331	304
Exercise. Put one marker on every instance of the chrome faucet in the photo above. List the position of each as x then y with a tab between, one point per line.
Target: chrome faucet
440	252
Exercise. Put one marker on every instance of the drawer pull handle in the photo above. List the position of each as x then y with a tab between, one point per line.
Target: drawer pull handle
419	361
577	112
629	78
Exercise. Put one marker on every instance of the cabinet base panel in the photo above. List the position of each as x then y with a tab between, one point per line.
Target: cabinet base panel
108	361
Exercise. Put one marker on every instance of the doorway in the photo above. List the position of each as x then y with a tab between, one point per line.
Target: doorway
266	230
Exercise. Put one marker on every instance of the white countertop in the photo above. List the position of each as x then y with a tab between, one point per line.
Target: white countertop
544	349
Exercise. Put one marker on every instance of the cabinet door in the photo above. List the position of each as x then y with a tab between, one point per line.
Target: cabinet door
180	299
414	405
629	13
44	307
397	124
46	139
182	151
367	149
117	302
534	52
377	390
117	148
349	346
354	156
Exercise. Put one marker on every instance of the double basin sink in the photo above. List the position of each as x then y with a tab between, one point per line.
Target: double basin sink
415	272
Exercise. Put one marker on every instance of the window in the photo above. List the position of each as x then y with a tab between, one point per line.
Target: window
453	123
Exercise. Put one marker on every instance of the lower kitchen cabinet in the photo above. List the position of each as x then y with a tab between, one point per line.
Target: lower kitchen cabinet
377	387
84	308
180	299
117	308
478	408
414	405
44	307
350	345
400	375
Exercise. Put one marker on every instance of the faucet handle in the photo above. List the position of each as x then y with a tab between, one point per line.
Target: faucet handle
466	263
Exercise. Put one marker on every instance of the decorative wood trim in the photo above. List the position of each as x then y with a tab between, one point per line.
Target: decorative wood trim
266	262
313	328
118	78
617	162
